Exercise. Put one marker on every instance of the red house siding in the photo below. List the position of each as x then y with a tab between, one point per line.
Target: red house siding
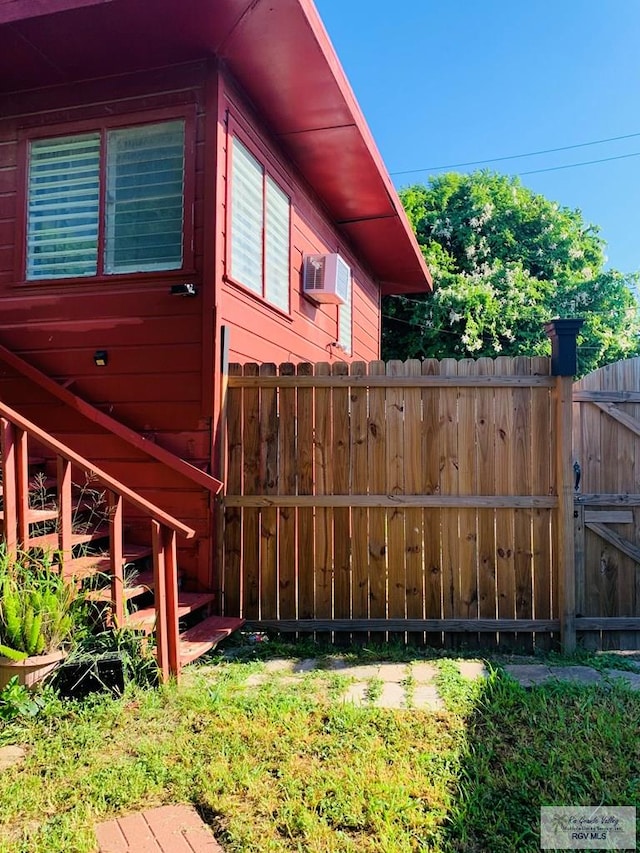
258	331
157	364
162	377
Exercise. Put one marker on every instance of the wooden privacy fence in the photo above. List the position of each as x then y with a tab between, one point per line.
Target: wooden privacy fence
418	496
606	447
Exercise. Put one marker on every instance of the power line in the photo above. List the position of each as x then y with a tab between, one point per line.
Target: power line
584	163
519	156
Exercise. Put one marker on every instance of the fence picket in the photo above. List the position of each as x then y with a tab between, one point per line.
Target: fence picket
396	568
523	517
414	549
251	519
505	484
360	485
231	576
287	486
449	485
341	463
378	480
269	486
433	603
541	483
323	446
486	462
306	553
467	599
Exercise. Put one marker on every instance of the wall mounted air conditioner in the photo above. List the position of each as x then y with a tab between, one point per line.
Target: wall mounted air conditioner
327	278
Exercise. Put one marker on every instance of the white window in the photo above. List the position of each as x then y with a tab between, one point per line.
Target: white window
141	188
260	227
345	320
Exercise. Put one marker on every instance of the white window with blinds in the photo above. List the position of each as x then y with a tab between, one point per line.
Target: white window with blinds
145	198
345	321
259	229
63	207
136	174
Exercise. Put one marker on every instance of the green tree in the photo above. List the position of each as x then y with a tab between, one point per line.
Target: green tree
505	260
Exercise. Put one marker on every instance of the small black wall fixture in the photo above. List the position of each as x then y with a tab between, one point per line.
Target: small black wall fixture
101	358
187	289
563	334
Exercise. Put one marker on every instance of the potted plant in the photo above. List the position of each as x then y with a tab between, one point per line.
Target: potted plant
39	611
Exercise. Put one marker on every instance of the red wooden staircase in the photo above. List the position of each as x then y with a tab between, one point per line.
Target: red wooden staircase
138	583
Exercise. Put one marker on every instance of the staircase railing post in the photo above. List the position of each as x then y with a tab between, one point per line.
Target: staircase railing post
22	487
116	557
171	588
65	515
160	595
9	487
563	335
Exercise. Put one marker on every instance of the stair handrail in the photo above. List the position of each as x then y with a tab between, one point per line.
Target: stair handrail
14	432
89	411
105	479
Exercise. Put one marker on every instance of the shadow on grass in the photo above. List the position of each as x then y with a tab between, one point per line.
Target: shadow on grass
556	744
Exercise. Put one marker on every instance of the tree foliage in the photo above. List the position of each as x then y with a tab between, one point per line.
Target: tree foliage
505	260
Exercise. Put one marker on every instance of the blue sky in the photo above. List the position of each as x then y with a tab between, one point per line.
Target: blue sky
444	83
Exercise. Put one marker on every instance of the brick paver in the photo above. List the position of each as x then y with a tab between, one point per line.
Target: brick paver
168	829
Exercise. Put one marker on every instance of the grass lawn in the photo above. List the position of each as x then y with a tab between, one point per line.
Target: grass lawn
290	767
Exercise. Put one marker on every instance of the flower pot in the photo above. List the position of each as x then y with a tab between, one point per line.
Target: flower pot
31	670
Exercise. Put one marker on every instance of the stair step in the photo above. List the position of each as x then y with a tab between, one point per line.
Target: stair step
143	583
35	515
206	635
145	619
50	540
84	567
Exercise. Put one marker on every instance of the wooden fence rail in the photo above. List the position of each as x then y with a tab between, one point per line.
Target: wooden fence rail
421	495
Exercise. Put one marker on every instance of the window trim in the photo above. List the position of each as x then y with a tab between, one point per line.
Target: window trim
235	130
104	124
341	308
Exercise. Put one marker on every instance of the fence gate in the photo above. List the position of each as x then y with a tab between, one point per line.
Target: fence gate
606	446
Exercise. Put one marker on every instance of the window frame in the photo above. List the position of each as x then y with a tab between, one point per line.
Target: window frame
270	170
341	308
103	125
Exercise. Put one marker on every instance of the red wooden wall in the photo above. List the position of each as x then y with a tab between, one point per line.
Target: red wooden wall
259	332
162	378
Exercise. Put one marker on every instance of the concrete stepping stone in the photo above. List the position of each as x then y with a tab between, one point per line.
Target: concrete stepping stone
392	696
425	697
632	678
10	755
423	672
472	669
576	674
279	665
362	672
393	672
528	674
306	665
356	693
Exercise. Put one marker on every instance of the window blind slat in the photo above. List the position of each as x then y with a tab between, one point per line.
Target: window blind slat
145	176
62	214
277	246
246	218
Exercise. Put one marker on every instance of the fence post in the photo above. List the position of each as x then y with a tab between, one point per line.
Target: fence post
563	334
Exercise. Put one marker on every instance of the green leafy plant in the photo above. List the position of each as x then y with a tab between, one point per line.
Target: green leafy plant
505	260
39	609
18	701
